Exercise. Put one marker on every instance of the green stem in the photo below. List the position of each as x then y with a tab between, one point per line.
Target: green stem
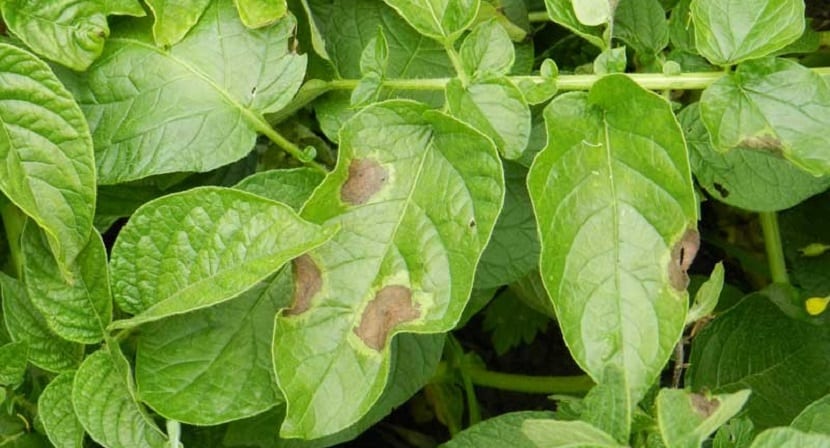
538	16
455	59
265	129
529	384
174	433
775	251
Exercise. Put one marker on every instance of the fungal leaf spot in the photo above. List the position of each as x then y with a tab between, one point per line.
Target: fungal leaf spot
391	306
307	283
682	255
766	143
704	406
366	177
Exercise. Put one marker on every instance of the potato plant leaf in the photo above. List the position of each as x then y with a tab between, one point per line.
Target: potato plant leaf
260	13
174	18
550	433
497	432
686	419
193	107
642	25
104	400
442	20
292	187
731	31
612	261
214	244
815	417
562	12
487	51
775	106
47	166
13	361
790	438
58	415
417	195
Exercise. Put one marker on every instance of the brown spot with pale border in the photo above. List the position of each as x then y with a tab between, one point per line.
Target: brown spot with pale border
682	255
391	306
366	177
766	143
704	406
307	283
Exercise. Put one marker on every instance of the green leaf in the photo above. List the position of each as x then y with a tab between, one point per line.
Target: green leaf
540	92
57	414
513	250
562	12
104	400
511	323
47	166
417	195
495	107
593	12
214	365
13	362
292	187
571	434
487	51
194	107
746	178
174	18
609	407
790	438
498	432
687	419
79	311
375	56
123	7
611	61
367	91
731	31
642	25
26	324
736	433
442	20
613	260
706	298
682	28
815	417
260	13
754	345
771	105
198	248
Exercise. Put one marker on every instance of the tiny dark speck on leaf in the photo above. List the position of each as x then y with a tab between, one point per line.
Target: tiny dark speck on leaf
703	405
682	255
391	306
366	177
472	223
307	283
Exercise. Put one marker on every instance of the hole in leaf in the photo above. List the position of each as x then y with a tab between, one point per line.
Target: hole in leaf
704	406
682	255
391	306
366	177
307	283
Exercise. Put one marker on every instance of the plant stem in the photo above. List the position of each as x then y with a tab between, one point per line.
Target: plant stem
265	129
529	384
455	59
775	251
538	16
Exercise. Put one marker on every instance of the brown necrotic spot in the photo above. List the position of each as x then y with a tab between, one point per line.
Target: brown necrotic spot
766	143
307	282
704	406
366	177
682	255
391	306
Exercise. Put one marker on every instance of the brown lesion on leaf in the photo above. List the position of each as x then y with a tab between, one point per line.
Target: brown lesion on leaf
682	255
765	143
366	177
704	406
307	283
391	307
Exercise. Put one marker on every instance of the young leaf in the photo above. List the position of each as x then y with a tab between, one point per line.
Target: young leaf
78	311
442	20
790	438
682	28
260	13
57	414
47	166
687	419
771	105
612	260
174	18
562	12
198	248
594	12
13	361
194	107
69	32
815	417
375	56
754	345
487	51
570	434
736	433
106	406
408	182
611	61
642	25
26	324
498	432
731	31
511	323
746	178
292	187
495	107
538	93
706	298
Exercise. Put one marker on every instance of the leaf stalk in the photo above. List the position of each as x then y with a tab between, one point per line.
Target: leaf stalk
774	248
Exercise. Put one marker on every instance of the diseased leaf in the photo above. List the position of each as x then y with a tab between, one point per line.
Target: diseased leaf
790	438
550	433
69	32
47	165
25	324
686	419
755	346
174	18
774	106
408	182
13	361
104	400
487	51
260	13
731	31
443	20
193	107
815	417
79	311
57	414
642	25
743	177
292	187
495	107
612	260
562	12
498	432
198	248
184	364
